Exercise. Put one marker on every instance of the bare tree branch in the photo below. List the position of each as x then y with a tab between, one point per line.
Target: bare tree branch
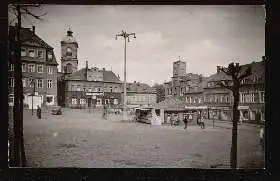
33	15
247	73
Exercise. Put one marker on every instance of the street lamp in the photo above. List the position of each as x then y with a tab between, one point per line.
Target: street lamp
126	36
33	84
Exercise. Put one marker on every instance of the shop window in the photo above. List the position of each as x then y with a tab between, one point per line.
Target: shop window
82	101
74	101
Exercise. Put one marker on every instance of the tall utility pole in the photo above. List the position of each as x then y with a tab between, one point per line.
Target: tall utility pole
126	36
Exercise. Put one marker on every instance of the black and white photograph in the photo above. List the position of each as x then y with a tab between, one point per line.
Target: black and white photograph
136	86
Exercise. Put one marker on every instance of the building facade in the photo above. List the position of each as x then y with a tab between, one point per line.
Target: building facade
140	94
39	69
81	90
215	102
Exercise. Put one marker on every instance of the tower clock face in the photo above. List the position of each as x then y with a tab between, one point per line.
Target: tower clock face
68	51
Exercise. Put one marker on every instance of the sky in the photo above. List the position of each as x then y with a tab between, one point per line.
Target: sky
203	36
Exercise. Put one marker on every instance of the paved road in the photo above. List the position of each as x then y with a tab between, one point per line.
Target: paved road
82	139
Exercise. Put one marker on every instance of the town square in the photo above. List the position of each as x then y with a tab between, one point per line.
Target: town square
136	86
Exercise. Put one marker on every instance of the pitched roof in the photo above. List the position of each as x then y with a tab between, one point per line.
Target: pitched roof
108	76
171	103
28	38
27	35
140	88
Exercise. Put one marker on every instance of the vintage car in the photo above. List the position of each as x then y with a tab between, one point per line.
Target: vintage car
56	110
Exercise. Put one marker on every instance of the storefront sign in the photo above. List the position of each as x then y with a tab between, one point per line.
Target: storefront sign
94	94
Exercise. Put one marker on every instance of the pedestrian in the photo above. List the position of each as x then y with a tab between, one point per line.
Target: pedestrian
168	119
202	124
185	122
39	112
198	118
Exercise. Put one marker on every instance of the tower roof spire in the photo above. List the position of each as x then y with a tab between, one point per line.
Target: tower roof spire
69	32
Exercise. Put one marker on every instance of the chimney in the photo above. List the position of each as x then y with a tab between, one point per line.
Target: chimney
33	29
86	64
218	69
104	69
134	82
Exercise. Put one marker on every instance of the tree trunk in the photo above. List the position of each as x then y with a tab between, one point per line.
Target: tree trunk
20	159
233	155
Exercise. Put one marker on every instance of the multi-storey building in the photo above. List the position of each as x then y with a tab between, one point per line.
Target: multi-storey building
181	82
140	94
215	102
39	69
216	98
92	87
252	92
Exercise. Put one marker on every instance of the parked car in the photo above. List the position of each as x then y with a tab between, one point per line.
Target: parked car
56	110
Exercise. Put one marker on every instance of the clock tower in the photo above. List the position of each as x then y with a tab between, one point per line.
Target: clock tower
69	47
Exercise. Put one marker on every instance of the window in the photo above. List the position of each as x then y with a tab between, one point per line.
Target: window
107	101
11	82
89	90
98	89
255	97
222	99
11	99
23	52
30	82
78	88
115	101
199	100
227	98
262	97
82	101
12	67
31	53
23	67
85	89
111	89
72	87
187	99
31	68
23	82
40	54
74	101
40	83
50	56
50	70
190	99
216	98
116	89
39	68
49	83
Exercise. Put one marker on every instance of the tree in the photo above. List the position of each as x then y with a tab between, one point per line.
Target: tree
18	144
237	75
160	92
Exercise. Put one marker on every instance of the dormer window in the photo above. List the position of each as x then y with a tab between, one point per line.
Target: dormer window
31	53
50	56
23	52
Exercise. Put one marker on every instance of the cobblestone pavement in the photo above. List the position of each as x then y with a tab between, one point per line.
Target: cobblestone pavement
80	138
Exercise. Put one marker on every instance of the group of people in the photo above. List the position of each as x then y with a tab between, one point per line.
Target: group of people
175	120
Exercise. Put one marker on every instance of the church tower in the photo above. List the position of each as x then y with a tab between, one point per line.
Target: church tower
69	47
